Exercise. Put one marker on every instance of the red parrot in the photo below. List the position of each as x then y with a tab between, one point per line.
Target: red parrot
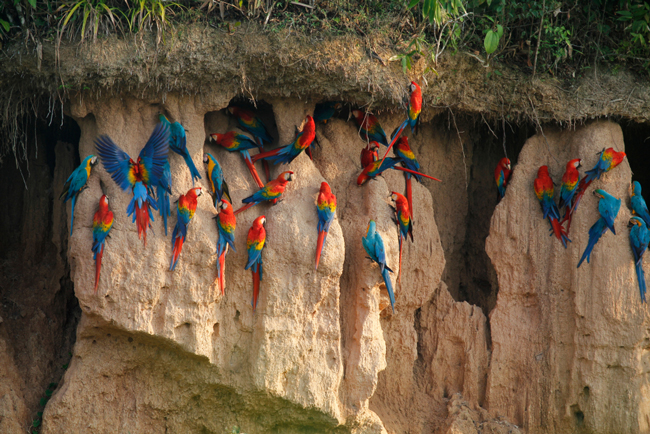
256	127
369	127
226	224
403	151
102	224
415	105
568	188
288	153
404	223
369	154
377	168
544	190
502	177
254	244
185	211
239	142
272	191
326	209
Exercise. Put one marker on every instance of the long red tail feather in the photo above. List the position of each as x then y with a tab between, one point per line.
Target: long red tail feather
404	169
222	273
253	171
244	208
400	258
395	137
98	267
142	221
409	194
178	246
261	155
256	288
319	246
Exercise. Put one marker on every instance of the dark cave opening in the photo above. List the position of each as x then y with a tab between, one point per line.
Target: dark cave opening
637	148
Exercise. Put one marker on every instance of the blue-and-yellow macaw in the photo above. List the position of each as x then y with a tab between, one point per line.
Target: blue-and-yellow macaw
76	183
639	206
639	239
218	186
608	208
374	247
178	144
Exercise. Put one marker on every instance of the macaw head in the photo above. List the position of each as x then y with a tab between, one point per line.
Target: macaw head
224	205
413	87
217	137
287	176
636	188
601	194
542	172
325	188
207	157
358	115
504	163
372	228
373	146
259	222
162	118
636	221
575	163
337	106
397	197
103	202
308	123
233	110
197	191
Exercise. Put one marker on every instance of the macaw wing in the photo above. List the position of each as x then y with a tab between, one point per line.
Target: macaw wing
154	153
379	251
115	161
253	255
609	211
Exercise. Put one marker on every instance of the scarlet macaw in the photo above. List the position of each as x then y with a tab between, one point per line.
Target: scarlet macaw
377	168
288	153
326	209
639	206
256	127
325	110
374	247
239	142
569	187
414	109
608	207
369	154
102	224
544	190
404	223
218	185
185	211
502	177
369	127
639	239
140	175
403	151
163	189
178	144
271	191
255	244
226	223
76	183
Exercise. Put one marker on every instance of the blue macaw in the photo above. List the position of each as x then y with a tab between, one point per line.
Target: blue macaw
218	186
163	190
639	239
639	206
374	247
178	144
608	208
76	183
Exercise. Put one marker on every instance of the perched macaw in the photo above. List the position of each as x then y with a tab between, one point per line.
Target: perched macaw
185	211
226	223
639	206
163	189
639	239
239	142
288	153
140	175
569	188
374	247
377	168
254	245
369	127
178	144
326	209
404	223
76	183
256	127
403	151
415	105
325	110
102	224
369	154
218	185
271	191
608	207
544	190
608	160
502	176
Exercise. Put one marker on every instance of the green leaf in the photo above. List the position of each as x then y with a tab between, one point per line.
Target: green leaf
413	3
499	30
42	402
491	42
497	72
5	25
48	393
36	423
32	3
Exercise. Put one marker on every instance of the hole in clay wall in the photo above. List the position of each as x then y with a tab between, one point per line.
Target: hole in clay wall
637	148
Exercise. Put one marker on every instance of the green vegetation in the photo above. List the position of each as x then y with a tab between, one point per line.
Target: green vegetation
541	36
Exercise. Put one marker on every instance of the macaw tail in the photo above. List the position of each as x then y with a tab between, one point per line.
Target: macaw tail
404	169
309	152
163	205
265	164
256	284
559	232
178	247
322	235
252	169
98	266
595	232
389	287
400	258
409	193
640	275
142	220
398	132
266	154
582	188
72	201
190	163
245	207
221	271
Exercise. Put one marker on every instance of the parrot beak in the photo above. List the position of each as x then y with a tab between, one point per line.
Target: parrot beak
631	223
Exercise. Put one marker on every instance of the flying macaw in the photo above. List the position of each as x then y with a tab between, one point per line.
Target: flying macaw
374	247
271	191
369	154
218	185
369	127
377	168
226	223
502	176
404	223
568	188
414	109
178	144
254	245
185	211
544	190
639	206
326	209
403	151
239	142
140	175
608	207
608	160
325	110
76	183
288	153
163	189
102	224
639	239
256	127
